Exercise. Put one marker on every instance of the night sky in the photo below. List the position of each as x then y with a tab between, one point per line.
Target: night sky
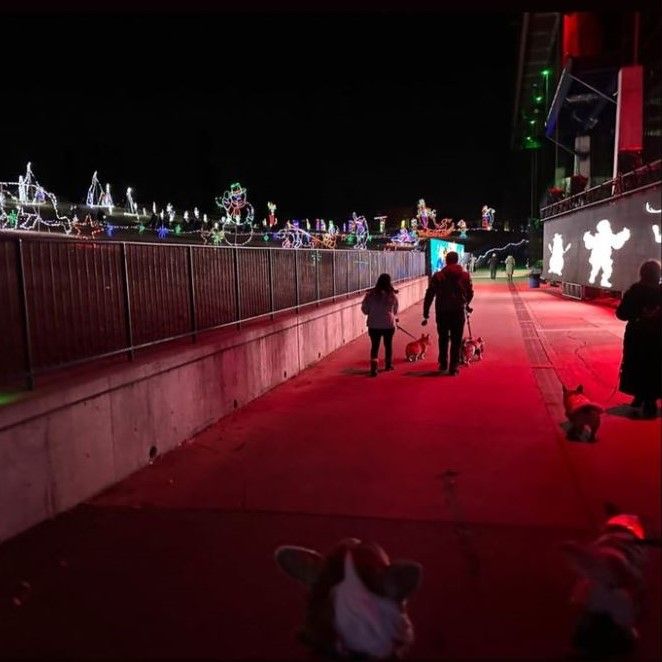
323	114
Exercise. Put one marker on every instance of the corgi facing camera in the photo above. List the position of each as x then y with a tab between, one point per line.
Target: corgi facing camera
356	599
583	415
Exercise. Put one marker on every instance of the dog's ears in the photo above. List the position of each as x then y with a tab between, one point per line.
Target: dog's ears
402	579
300	563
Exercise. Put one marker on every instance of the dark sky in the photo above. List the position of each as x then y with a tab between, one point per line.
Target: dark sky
322	114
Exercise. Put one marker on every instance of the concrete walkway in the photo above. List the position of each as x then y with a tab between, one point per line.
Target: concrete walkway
469	475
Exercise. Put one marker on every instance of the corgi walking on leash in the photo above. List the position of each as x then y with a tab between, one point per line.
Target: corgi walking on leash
583	415
357	599
415	350
610	587
472	348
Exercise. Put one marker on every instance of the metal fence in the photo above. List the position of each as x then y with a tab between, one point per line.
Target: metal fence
64	302
628	181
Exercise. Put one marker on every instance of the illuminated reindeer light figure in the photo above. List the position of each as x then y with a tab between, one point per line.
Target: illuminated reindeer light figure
356	599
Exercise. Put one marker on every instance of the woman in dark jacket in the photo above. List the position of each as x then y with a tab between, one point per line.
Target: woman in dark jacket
641	369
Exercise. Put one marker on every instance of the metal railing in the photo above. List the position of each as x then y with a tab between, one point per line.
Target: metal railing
65	302
630	181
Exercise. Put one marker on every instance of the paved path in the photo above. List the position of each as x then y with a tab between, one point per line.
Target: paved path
471	476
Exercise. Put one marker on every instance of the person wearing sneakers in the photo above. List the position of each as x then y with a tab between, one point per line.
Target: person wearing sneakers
453	291
381	306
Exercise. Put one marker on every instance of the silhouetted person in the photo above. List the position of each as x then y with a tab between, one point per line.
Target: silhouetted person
641	308
453	291
381	306
510	268
494	260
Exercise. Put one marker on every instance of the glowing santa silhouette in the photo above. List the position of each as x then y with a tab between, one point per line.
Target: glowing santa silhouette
556	261
656	233
601	244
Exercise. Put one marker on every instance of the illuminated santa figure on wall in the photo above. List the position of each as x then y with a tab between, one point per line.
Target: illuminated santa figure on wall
271	218
602	244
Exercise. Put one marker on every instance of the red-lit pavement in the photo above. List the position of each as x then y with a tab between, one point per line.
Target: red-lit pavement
177	560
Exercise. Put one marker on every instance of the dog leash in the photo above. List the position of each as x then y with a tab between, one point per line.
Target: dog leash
407	332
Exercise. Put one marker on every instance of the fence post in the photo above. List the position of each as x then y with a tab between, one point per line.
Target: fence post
237	289
333	273
127	303
296	275
191	280
271	283
318	263
347	260
25	317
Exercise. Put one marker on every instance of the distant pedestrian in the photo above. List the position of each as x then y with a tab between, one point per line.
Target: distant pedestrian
472	263
453	291
494	260
380	304
641	308
510	268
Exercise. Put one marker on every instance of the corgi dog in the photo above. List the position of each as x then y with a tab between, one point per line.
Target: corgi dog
582	413
416	349
356	599
610	587
472	350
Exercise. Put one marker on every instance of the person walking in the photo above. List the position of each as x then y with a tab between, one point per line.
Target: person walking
510	268
453	291
380	304
493	265
641	308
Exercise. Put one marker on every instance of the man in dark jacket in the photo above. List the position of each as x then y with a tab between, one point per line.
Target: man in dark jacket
453	291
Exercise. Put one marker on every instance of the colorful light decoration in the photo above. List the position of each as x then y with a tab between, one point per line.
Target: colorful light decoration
500	248
271	217
94	192
359	232
88	228
487	217
462	227
424	215
382	223
162	232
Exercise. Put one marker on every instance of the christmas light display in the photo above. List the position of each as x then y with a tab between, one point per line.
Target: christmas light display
382	223
424	215
28	199
487	217
131	205
106	200
462	227
94	192
87	229
441	230
238	219
359	231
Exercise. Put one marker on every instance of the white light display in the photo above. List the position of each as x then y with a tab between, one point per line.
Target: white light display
651	210
501	248
94	192
131	205
556	248
656	234
602	244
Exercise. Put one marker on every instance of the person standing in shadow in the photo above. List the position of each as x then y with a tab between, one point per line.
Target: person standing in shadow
494	260
510	268
381	306
453	291
641	308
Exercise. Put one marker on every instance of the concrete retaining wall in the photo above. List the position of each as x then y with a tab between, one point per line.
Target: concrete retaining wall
61	445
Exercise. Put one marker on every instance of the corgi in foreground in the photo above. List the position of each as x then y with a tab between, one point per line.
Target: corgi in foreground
416	349
610	587
581	412
356	599
472	350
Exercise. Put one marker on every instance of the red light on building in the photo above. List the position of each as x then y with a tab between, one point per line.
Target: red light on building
630	109
582	35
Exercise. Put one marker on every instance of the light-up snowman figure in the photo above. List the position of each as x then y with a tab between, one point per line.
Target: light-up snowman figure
556	261
238	218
